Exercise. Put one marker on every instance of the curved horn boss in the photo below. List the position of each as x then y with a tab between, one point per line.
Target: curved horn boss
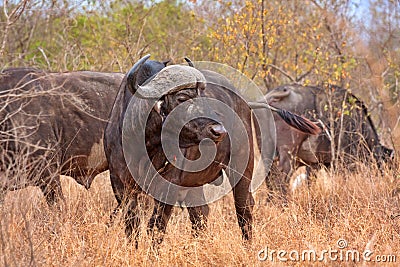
171	79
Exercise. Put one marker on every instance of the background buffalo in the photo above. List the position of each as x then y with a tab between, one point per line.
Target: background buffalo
348	134
52	124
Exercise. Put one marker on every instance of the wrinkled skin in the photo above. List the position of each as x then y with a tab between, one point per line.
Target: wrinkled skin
127	190
53	122
357	139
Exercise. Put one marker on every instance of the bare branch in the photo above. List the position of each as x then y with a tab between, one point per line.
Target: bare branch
283	72
301	77
10	20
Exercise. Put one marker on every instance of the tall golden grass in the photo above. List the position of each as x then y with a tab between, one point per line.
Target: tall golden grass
357	207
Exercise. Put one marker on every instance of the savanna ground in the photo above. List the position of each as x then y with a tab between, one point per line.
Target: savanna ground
359	208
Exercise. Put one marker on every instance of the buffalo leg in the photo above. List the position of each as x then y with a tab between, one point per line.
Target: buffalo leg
271	181
284	171
120	192
244	206
197	214
277	183
132	219
114	214
312	169
244	203
159	219
311	172
242	196
2	196
198	217
51	188
118	208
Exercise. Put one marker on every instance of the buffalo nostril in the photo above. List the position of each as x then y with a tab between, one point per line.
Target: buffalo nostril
218	131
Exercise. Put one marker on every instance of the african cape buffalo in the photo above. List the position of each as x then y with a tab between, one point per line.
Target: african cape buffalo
347	130
52	124
149	95
148	73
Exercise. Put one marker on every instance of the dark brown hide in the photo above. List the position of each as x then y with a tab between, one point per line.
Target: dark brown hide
52	124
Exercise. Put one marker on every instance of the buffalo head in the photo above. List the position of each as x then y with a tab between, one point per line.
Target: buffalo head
170	87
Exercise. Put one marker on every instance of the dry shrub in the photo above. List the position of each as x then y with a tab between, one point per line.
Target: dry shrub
359	207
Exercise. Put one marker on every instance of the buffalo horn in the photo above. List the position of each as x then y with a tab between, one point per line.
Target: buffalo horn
189	62
131	80
171	79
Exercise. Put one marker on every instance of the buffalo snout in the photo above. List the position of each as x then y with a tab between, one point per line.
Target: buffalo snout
217	132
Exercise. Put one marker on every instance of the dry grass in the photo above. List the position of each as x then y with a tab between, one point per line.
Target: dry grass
355	207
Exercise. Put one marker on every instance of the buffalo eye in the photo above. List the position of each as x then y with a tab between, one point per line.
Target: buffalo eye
183	97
